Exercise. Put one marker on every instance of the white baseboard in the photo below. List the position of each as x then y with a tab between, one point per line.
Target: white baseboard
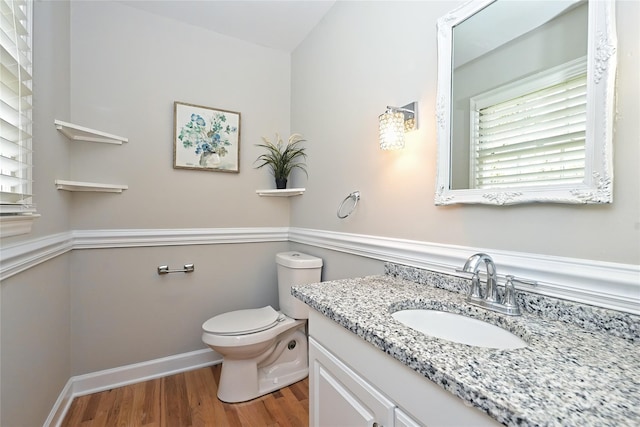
130	374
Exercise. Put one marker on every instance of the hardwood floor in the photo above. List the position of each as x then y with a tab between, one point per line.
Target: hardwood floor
188	399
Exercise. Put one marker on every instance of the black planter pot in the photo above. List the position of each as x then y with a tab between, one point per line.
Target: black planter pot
281	183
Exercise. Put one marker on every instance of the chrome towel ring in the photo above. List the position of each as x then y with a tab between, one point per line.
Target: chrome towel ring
355	196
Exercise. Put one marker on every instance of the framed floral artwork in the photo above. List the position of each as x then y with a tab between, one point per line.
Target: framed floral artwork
206	138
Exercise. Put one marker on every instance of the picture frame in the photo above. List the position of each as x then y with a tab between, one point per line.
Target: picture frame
206	138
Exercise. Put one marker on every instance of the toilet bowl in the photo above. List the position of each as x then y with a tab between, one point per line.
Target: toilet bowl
263	349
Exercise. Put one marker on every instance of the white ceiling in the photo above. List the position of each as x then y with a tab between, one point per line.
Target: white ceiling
276	24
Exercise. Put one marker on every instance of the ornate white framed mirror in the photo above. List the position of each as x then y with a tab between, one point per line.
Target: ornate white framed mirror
525	103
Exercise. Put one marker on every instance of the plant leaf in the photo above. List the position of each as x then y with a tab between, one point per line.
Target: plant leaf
281	158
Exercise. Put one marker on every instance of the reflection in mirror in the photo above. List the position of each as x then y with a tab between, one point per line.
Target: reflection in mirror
525	94
524	124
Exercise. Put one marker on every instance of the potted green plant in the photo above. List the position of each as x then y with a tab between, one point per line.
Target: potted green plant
283	158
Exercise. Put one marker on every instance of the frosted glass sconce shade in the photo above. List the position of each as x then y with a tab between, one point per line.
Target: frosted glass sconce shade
394	123
391	126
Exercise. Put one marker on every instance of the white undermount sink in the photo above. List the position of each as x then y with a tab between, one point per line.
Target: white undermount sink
458	328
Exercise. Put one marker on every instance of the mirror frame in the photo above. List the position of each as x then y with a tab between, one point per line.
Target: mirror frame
597	186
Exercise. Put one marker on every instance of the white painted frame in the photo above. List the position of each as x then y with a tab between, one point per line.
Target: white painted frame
601	70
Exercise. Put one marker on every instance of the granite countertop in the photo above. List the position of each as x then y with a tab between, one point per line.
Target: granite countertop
567	375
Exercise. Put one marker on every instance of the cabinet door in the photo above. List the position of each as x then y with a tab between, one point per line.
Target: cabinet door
404	420
339	397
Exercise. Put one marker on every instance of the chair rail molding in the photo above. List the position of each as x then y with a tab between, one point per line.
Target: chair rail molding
94	239
19	257
604	284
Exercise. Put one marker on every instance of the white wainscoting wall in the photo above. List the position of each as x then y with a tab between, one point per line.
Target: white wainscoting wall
604	284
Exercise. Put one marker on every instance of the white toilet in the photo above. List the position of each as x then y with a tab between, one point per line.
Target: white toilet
262	349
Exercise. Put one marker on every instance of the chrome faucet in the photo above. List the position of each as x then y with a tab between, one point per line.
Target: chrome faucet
491	299
472	265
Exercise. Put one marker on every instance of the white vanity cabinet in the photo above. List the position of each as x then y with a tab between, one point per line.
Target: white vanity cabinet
340	397
352	383
401	419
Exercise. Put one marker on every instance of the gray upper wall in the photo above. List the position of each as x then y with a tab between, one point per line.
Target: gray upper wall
118	69
364	56
51	100
127	69
114	68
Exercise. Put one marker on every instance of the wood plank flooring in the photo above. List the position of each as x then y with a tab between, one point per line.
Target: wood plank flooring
188	399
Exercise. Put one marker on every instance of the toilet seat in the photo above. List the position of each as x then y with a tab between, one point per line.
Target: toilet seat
242	322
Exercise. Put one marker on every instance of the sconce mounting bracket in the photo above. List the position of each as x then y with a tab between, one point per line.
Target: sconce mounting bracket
410	112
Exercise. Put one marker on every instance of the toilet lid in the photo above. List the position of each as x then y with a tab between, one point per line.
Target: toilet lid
241	322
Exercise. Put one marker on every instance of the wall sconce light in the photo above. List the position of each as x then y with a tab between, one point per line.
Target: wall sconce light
394	123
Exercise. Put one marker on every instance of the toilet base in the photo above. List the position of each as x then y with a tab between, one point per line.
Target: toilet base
285	364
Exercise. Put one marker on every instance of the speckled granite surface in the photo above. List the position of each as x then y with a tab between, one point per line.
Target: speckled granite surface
568	374
616	323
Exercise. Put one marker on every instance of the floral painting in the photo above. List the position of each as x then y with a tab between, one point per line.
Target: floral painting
206	138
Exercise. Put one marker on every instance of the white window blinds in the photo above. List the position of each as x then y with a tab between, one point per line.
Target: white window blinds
532	139
15	107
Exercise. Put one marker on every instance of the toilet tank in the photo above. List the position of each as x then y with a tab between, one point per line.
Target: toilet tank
296	268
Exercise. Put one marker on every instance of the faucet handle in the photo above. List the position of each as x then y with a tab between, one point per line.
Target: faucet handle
474	291
510	292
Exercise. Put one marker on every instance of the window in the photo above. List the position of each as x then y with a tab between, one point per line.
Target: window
531	132
15	111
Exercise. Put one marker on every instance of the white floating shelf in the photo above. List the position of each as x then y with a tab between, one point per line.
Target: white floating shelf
80	133
89	186
287	192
